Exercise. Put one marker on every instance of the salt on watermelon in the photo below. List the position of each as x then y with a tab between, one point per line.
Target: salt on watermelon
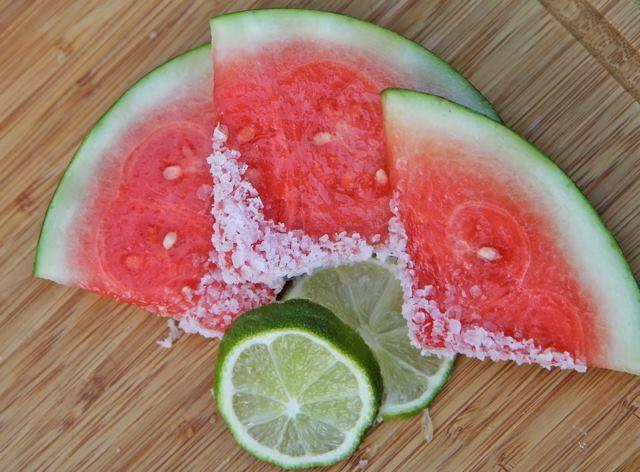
131	215
501	255
299	164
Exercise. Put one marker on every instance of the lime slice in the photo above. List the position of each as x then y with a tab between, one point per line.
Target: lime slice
368	297
295	385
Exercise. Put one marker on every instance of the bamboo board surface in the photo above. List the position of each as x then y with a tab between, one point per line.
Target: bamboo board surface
83	384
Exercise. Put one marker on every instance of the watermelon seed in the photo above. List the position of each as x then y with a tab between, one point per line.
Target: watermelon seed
321	138
169	240
252	175
488	253
203	192
381	177
346	181
188	152
246	134
172	172
132	262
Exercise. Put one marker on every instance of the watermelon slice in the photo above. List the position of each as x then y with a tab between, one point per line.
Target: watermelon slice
299	166
501	255
131	216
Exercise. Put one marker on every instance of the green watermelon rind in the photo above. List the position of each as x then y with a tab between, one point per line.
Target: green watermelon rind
165	82
259	28
622	293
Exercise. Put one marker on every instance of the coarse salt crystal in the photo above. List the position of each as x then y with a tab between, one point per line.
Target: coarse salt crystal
221	133
174	335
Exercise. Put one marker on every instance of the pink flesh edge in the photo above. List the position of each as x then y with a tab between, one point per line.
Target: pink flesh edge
473	341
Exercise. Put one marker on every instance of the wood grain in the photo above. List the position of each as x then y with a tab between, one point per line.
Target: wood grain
622	18
602	40
83	385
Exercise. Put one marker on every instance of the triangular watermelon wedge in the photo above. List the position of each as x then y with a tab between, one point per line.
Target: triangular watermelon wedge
300	166
501	255
131	215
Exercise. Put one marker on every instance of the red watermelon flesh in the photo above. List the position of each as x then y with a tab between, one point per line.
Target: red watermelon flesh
131	217
320	124
501	256
298	93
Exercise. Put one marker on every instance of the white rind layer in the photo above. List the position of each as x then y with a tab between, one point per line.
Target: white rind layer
250	31
590	249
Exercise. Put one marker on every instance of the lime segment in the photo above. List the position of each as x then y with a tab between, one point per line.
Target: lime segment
368	297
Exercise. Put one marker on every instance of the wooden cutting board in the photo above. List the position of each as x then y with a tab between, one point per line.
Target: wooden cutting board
83	384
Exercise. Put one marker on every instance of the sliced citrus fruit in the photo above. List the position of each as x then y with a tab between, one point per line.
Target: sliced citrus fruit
368	297
295	385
